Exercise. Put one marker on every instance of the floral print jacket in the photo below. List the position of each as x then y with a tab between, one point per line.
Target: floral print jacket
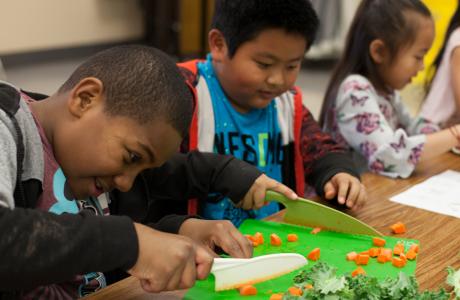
378	128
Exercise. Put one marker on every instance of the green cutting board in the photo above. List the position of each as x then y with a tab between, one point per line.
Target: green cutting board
334	247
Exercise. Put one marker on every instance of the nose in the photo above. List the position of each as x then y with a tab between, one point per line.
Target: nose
124	181
276	78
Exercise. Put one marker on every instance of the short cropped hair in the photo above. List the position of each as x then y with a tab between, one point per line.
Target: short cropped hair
141	83
242	20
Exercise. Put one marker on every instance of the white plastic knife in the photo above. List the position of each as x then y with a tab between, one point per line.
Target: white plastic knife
232	273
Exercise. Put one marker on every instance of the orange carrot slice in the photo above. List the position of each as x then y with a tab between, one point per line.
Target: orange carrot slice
314	254
398	227
358	271
277	296
247	290
374	252
259	238
397	262
308	286
379	242
385	255
398	249
414	247
295	291
315	230
411	254
362	259
352	255
292	237
275	239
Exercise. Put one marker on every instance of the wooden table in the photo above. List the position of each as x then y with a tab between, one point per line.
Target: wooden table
439	235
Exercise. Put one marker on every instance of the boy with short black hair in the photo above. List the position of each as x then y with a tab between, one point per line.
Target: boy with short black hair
73	157
247	104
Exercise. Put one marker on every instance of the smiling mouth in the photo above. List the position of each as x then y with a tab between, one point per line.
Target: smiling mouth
266	94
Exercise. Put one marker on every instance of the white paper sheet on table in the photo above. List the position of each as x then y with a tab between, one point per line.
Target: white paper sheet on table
440	194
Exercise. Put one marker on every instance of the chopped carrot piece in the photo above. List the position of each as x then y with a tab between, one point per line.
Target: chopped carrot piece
275	239
308	286
292	237
252	239
314	254
414	247
362	259
411	254
398	262
358	271
398	227
403	257
295	291
364	252
374	252
259	238
352	255
379	242
278	296
315	230
398	249
247	290
385	255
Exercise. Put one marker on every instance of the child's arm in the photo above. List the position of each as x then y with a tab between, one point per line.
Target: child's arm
328	167
196	174
169	262
40	248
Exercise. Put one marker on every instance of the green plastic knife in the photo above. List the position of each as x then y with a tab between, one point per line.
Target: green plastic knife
313	214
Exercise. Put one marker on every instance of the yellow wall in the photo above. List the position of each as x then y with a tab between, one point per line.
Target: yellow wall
442	11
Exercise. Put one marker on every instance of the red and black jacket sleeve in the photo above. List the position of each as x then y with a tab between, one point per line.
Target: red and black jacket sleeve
322	157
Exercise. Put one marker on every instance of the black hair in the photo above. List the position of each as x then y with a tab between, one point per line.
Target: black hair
388	20
454	24
139	82
242	20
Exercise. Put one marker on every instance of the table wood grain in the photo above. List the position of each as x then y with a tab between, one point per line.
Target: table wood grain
439	235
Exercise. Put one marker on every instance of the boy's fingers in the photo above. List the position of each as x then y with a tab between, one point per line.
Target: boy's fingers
343	191
189	274
259	198
353	193
282	189
243	242
329	190
361	198
203	262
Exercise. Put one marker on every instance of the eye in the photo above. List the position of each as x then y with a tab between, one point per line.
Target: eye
132	158
263	65
292	67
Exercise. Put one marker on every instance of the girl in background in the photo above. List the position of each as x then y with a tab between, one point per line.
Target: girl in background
442	104
384	49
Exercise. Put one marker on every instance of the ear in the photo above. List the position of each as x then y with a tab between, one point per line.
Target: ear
378	51
86	94
217	45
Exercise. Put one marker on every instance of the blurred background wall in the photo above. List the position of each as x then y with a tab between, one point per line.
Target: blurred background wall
41	42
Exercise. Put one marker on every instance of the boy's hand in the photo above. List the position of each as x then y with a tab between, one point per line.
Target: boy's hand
348	190
220	233
255	197
168	261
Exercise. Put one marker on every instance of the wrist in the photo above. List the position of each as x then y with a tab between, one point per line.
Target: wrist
455	131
